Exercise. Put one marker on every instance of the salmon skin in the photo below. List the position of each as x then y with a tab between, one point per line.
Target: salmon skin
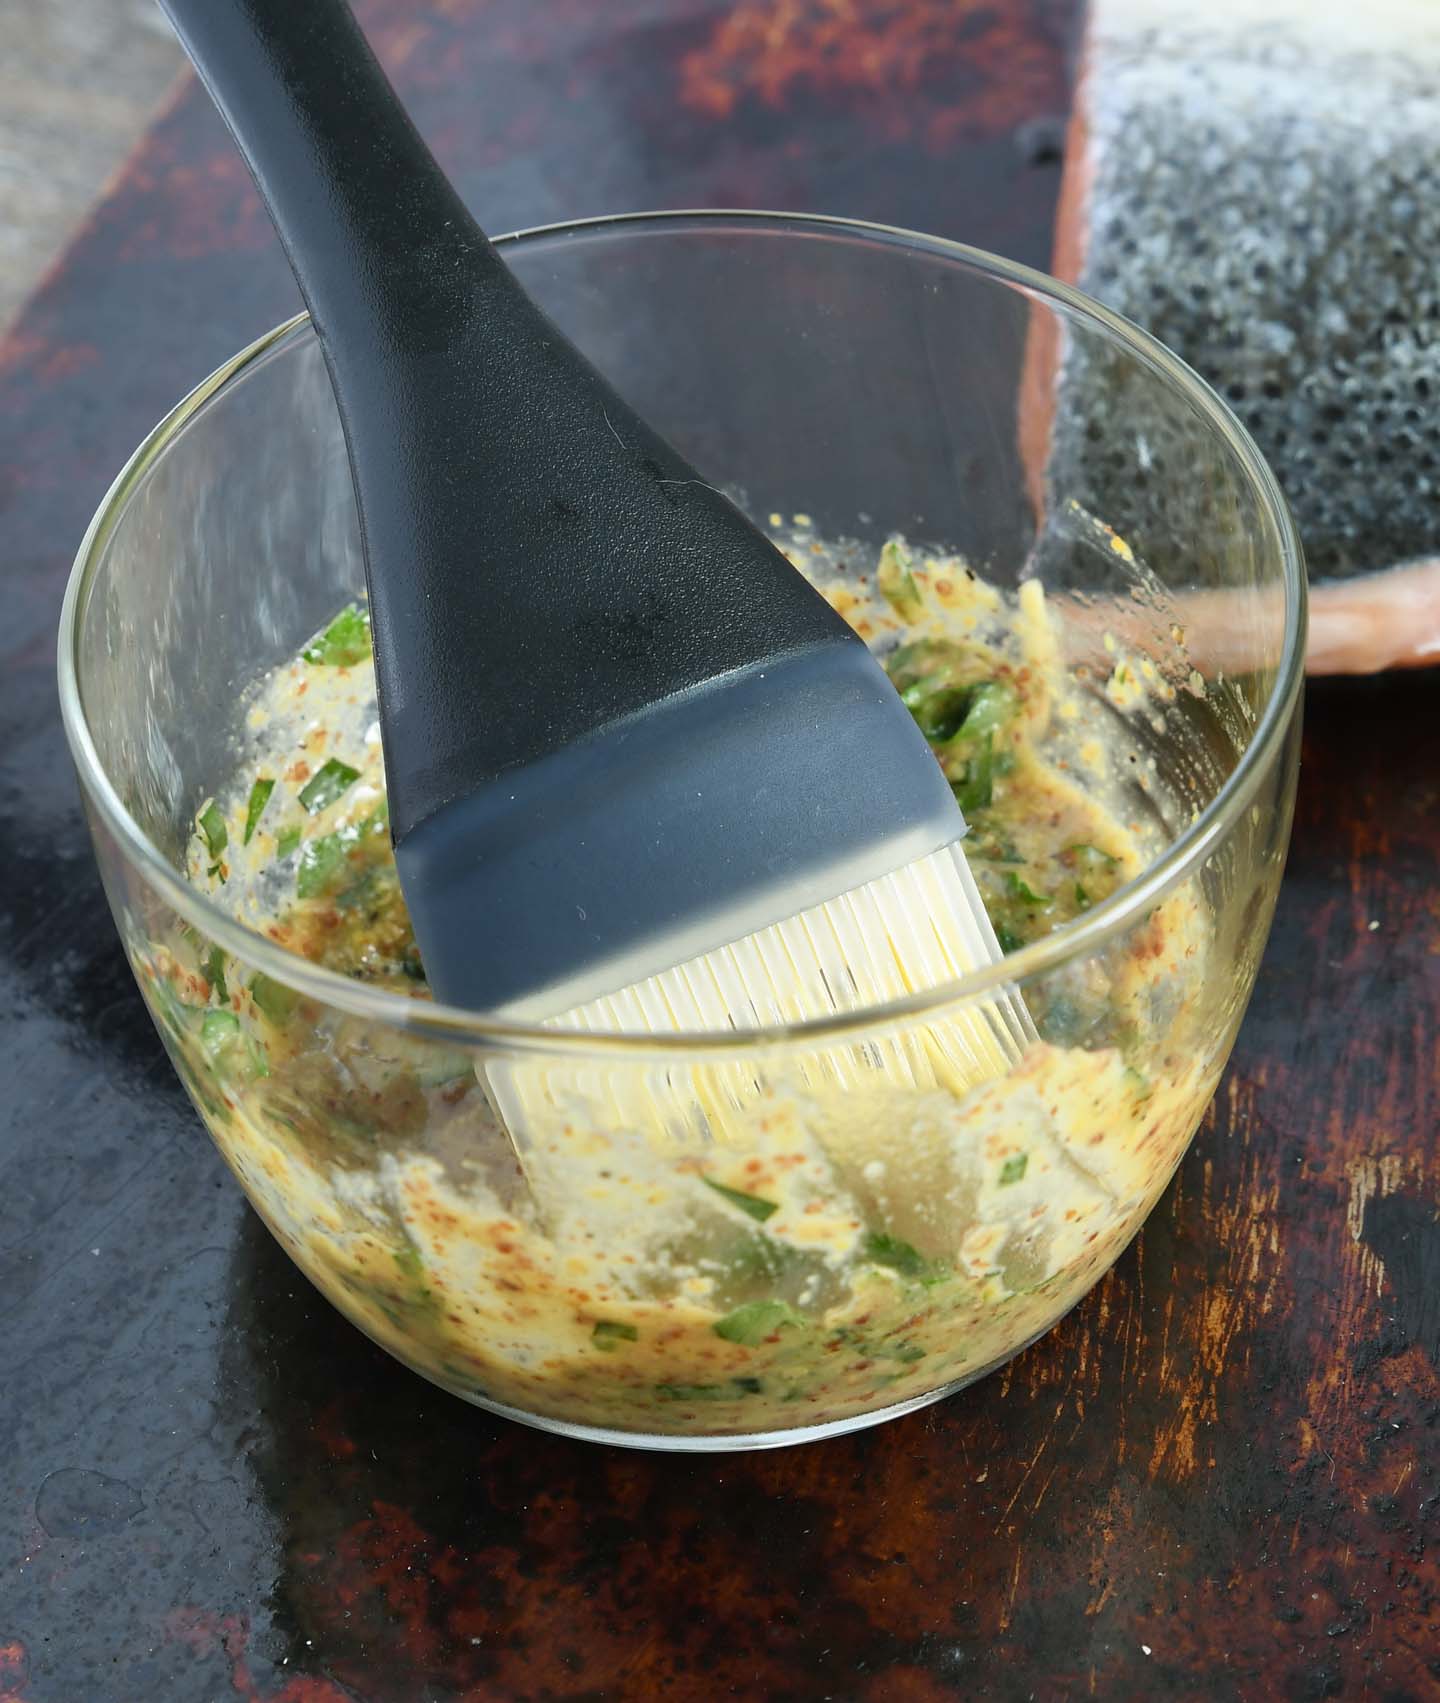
1252	181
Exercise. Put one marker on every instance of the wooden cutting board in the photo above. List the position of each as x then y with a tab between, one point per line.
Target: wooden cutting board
1217	1479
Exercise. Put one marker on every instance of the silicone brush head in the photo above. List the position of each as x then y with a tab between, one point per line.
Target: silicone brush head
914	929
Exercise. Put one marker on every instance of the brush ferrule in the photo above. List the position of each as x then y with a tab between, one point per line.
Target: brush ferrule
704	818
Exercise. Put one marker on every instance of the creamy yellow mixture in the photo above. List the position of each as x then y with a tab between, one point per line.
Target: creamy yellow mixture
839	1251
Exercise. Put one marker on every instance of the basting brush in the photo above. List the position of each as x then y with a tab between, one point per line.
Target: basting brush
609	706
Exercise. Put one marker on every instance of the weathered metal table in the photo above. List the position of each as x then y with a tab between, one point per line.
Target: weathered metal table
1218	1478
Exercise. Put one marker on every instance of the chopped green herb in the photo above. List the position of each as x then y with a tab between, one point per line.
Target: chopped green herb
214	969
212	825
939	711
897	583
219	1030
273	999
410	1263
259	798
1019	889
751	1324
977	789
287	840
752	1204
327	784
412	1268
323	860
319	861
345	642
176	1014
1087	857
933	662
948	711
991	706
1082	898
221	1036
897	1256
1140	1086
906	1352
1013	1169
710	1392
1008	939
608	1334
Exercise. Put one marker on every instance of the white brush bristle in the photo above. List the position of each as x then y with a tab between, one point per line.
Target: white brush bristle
903	933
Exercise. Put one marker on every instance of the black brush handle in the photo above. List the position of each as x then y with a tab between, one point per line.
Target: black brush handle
539	566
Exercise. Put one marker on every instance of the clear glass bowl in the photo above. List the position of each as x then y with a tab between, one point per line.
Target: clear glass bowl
882	383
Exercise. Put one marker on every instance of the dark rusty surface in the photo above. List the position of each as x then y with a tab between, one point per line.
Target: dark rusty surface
1219	1478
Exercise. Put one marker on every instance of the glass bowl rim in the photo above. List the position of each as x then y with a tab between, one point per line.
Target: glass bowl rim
1112	916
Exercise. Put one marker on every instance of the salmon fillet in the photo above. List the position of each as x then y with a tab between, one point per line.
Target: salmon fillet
1254	181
